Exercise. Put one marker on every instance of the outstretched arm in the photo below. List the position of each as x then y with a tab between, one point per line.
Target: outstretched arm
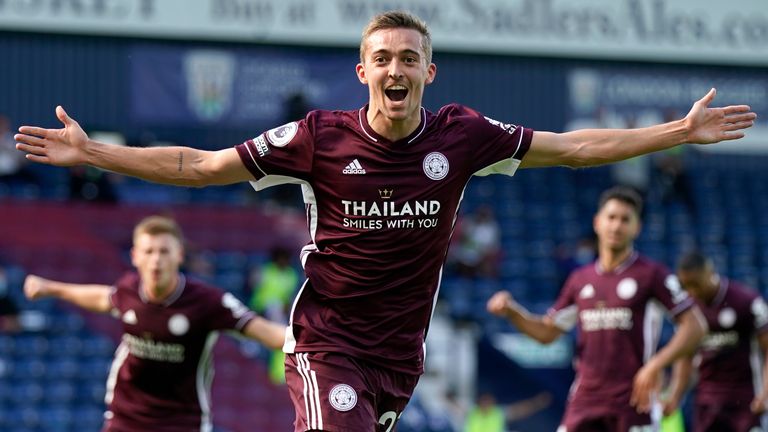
691	327
587	147
543	329
91	297
183	166
269	333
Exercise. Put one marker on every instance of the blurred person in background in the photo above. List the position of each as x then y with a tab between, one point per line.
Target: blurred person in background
382	186
485	416
479	246
488	415
611	303
162	372
274	284
732	387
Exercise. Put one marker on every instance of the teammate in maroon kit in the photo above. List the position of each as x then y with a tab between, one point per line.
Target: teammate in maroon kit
161	375
611	302
732	387
382	187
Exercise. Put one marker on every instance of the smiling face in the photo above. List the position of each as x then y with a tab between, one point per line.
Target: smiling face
395	68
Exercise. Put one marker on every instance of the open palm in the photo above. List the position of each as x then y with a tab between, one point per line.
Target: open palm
61	147
711	125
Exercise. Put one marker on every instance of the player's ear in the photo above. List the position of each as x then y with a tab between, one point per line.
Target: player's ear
431	72
360	70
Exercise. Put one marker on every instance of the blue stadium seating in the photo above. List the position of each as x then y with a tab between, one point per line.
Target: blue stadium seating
538	211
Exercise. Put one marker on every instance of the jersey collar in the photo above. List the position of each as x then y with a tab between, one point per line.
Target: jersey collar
720	296
182	282
621	267
362	119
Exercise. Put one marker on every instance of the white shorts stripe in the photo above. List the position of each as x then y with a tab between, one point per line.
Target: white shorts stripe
316	392
311	392
300	369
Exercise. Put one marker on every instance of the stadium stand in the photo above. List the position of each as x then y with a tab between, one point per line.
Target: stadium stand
53	380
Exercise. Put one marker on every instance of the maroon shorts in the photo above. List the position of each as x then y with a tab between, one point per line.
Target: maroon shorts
337	393
724	418
595	418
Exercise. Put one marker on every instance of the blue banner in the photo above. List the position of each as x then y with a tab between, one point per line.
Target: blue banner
173	86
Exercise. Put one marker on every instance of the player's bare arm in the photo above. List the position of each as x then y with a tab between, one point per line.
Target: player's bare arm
183	166
269	333
678	386
92	297
691	327
588	147
543	329
758	405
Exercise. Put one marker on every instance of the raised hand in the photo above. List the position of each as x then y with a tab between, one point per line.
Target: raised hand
61	147
500	303
710	125
34	287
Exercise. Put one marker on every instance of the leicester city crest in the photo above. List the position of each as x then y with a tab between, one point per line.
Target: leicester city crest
436	166
342	397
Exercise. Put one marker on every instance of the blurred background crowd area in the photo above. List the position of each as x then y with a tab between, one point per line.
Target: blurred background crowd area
138	83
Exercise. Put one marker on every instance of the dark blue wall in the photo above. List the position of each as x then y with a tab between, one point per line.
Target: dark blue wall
89	76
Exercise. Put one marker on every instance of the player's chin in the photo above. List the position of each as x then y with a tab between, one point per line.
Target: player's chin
397	115
617	245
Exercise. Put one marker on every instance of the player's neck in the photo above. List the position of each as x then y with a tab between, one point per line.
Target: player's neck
713	289
392	129
158	293
611	259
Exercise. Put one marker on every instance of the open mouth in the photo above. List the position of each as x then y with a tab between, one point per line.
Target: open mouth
396	93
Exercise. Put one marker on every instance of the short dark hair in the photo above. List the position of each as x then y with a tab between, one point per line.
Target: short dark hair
398	19
625	194
693	261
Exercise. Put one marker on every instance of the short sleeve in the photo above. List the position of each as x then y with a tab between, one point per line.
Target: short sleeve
118	292
564	312
114	301
759	314
498	147
668	291
227	312
280	155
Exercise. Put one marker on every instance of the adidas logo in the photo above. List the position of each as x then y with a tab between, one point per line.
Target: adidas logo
354	167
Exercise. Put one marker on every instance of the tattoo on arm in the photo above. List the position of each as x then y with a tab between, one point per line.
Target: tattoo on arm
181	159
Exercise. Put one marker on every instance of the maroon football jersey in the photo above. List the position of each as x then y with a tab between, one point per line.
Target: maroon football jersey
618	324
161	375
380	217
731	364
